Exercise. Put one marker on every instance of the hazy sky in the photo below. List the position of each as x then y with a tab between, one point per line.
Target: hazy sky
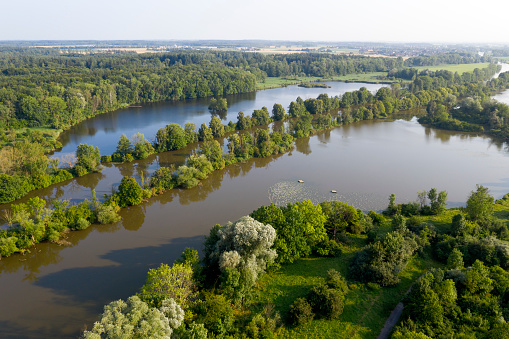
355	20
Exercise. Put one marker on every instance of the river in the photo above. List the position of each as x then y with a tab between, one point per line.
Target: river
55	291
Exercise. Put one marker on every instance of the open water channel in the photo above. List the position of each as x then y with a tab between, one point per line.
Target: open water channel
54	291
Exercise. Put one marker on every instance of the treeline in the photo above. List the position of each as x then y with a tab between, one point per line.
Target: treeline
61	97
447	58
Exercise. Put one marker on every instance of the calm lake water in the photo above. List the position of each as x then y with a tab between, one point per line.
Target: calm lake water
55	291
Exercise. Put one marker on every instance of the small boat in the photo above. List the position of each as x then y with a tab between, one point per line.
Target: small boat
301	181
333	191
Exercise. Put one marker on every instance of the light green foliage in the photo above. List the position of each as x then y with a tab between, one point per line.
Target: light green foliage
314	221
173	312
88	157
218	105
169	282
129	192
8	246
201	163
108	214
186	177
335	280
124	146
479	204
11	188
131	319
242	251
296	110
214	153
192	331
142	147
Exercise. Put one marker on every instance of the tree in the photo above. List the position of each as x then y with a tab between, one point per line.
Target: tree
166	282
278	112
176	137
88	157
479	204
124	146
218	105
205	133
135	319
216	127
243	122
129	192
455	260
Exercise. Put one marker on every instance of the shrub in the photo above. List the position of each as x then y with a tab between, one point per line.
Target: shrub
106	158
11	188
107	214
162	178
300	312
82	224
80	170
336	281
325	302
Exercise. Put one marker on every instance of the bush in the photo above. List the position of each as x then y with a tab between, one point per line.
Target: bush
300	312
328	248
336	281
107	214
325	302
129	193
162	178
106	158
11	188
80	170
82	224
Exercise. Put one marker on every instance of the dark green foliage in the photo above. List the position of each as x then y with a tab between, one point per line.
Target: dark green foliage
11	188
243	122
278	112
205	133
129	192
300	312
170	138
326	303
215	313
382	260
261	117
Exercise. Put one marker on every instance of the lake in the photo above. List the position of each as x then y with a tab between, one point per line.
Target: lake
55	291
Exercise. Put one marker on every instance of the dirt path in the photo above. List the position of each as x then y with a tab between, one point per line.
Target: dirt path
391	321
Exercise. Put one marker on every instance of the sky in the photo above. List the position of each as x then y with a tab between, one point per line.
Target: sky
456	21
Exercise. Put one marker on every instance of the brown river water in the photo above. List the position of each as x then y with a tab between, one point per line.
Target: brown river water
55	291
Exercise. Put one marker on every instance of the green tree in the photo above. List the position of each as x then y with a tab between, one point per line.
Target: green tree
88	157
216	127
129	192
165	282
124	146
278	112
455	260
205	133
480	204
131	319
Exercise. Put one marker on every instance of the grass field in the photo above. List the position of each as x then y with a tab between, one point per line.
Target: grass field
366	309
460	68
274	82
